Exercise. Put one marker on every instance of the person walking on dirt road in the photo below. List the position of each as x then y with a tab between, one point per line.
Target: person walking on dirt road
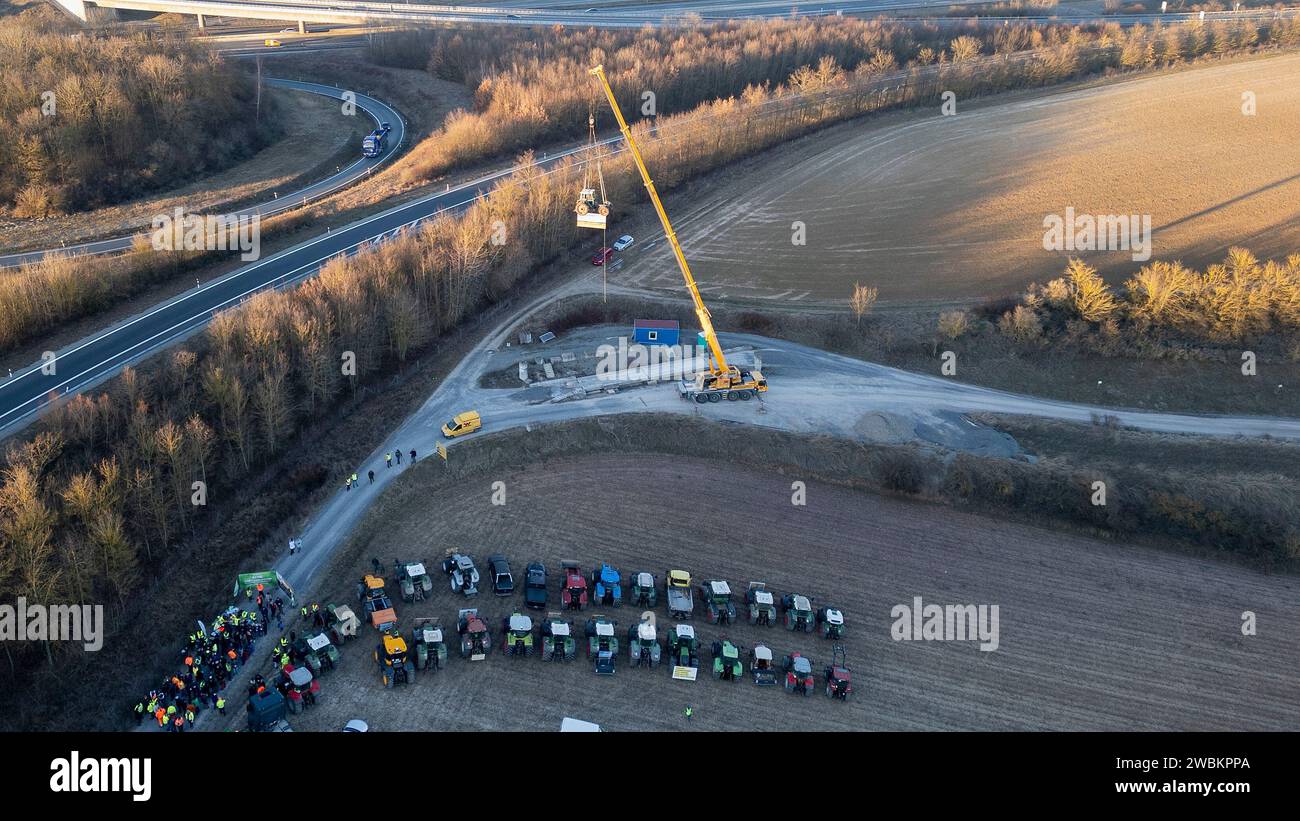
372	477
388	459
690	711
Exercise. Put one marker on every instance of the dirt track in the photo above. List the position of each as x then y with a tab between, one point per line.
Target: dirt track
950	209
1093	635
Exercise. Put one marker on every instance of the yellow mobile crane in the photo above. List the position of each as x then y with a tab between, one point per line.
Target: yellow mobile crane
723	381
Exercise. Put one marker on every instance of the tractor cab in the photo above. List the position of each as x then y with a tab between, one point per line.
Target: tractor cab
475	640
798	674
717	600
602	644
798	613
319	654
461	572
430	646
762	604
558	643
414	581
643	642
683	646
343	624
393	659
301	689
726	661
831	620
642	590
606	585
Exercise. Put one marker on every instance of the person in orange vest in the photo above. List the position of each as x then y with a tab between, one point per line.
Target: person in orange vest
161	715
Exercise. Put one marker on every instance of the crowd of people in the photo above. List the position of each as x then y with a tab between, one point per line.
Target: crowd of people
352	481
210	657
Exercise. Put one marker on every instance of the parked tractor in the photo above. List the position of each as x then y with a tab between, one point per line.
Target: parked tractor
413	581
839	679
341	622
300	688
558	643
375	603
798	674
677	589
316	652
573	595
831	622
602	643
761	665
762	604
682	646
643	642
642	590
430	646
607	586
395	665
475	640
518	630
726	661
460	569
798	612
718	607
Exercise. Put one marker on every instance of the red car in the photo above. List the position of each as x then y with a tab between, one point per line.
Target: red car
602	256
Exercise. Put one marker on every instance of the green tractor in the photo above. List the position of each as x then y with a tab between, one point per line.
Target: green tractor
602	644
718	607
430	646
643	643
341	623
316	652
413	581
831	622
683	647
643	590
558	643
762	604
798	612
518	632
726	661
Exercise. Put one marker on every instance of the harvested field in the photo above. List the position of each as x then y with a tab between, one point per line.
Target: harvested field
1093	635
950	209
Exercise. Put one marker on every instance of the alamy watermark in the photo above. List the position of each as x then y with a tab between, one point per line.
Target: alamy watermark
949	622
179	231
654	363
1100	232
53	622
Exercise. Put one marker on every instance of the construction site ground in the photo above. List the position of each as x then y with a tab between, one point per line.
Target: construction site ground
1093	635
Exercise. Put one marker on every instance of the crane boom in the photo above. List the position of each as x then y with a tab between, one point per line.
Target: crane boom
718	365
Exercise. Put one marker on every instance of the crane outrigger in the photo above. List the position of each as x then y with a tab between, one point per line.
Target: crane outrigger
723	380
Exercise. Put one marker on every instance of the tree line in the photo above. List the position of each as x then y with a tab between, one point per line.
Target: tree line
87	121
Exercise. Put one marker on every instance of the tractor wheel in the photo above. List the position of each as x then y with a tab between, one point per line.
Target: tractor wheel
603	210
388	681
581	208
808	627
701	398
789	622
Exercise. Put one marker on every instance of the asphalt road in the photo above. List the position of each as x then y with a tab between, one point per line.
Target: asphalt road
360	168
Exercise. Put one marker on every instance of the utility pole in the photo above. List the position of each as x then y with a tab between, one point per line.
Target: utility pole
258	116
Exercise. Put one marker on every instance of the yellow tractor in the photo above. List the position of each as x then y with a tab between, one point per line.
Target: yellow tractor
395	665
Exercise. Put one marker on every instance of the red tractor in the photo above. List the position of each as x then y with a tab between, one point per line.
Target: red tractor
573	595
839	679
798	674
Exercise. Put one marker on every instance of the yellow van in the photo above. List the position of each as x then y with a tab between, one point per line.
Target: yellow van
461	424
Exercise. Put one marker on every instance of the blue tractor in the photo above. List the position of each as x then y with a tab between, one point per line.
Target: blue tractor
606	586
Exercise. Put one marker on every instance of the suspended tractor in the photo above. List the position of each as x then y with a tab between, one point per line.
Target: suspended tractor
573	595
475	640
798	674
602	644
683	647
718	607
341	622
677	590
798	612
831	622
761	665
518	630
316	652
460	569
592	207
726	661
395	665
643	642
430	646
607	586
762	604
722	380
413	581
558	643
642	590
839	679
375	603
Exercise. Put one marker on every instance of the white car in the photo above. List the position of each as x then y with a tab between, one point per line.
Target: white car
623	242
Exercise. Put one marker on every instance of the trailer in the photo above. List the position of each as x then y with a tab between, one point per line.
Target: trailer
374	143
